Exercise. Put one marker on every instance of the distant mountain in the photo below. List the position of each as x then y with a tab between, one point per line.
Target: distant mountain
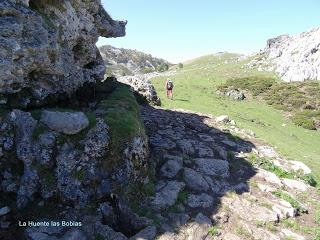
294	58
125	62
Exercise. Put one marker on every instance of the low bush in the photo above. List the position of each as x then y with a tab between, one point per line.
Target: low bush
302	99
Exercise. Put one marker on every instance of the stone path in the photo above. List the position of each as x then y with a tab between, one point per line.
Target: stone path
205	188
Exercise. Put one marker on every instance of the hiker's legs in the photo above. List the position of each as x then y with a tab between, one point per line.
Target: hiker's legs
171	94
167	93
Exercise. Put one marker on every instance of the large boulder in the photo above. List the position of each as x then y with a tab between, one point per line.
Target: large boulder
48	48
65	122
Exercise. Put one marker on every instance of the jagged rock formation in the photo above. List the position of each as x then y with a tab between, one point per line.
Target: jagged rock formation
125	62
48	48
142	85
295	58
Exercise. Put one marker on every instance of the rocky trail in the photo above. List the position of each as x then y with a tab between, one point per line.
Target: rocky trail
207	189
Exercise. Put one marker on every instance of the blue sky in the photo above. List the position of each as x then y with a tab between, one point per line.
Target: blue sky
179	30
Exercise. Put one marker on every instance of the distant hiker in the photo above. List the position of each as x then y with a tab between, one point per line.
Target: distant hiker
169	88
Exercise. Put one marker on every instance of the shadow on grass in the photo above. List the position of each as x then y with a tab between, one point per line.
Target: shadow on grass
181	100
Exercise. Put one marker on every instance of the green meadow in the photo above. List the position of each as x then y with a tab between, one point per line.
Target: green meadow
195	87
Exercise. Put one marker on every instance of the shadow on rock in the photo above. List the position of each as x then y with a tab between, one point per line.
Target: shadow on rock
196	166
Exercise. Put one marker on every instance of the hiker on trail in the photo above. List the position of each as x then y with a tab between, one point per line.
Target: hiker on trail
169	88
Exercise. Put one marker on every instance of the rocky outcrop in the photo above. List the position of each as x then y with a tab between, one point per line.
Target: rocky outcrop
48	48
142	85
126	62
295	58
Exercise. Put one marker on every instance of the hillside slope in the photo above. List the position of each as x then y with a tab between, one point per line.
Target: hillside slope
195	89
125	62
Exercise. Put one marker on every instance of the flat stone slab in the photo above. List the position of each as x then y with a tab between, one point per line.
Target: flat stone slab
168	194
65	122
295	184
195	180
171	168
249	211
212	167
200	201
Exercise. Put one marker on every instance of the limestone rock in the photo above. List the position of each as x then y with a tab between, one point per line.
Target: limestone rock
195	180
291	235
235	94
299	166
97	140
148	233
171	168
295	184
4	211
143	86
48	48
249	211
295	58
200	201
65	122
212	167
167	195
223	119
269	177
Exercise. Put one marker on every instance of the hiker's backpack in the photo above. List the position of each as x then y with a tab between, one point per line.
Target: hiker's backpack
170	84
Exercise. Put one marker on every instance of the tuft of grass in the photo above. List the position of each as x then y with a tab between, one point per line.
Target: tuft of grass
270	226
99	237
182	196
92	119
36	114
287	197
267	164
213	231
241	231
78	174
310	180
40	129
294	225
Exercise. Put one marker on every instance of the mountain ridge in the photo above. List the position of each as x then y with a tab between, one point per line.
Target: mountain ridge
125	62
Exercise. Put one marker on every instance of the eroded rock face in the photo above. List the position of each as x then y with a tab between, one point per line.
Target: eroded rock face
295	58
48	48
142	85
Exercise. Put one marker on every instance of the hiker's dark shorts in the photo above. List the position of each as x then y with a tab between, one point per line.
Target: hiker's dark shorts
169	89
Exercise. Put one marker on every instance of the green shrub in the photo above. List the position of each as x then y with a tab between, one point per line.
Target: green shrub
162	67
213	231
301	119
309	179
256	85
148	70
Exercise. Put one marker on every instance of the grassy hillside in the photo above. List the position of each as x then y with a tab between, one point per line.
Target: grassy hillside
195	89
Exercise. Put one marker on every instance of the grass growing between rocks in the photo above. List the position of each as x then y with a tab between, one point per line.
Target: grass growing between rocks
287	197
268	165
123	118
195	87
